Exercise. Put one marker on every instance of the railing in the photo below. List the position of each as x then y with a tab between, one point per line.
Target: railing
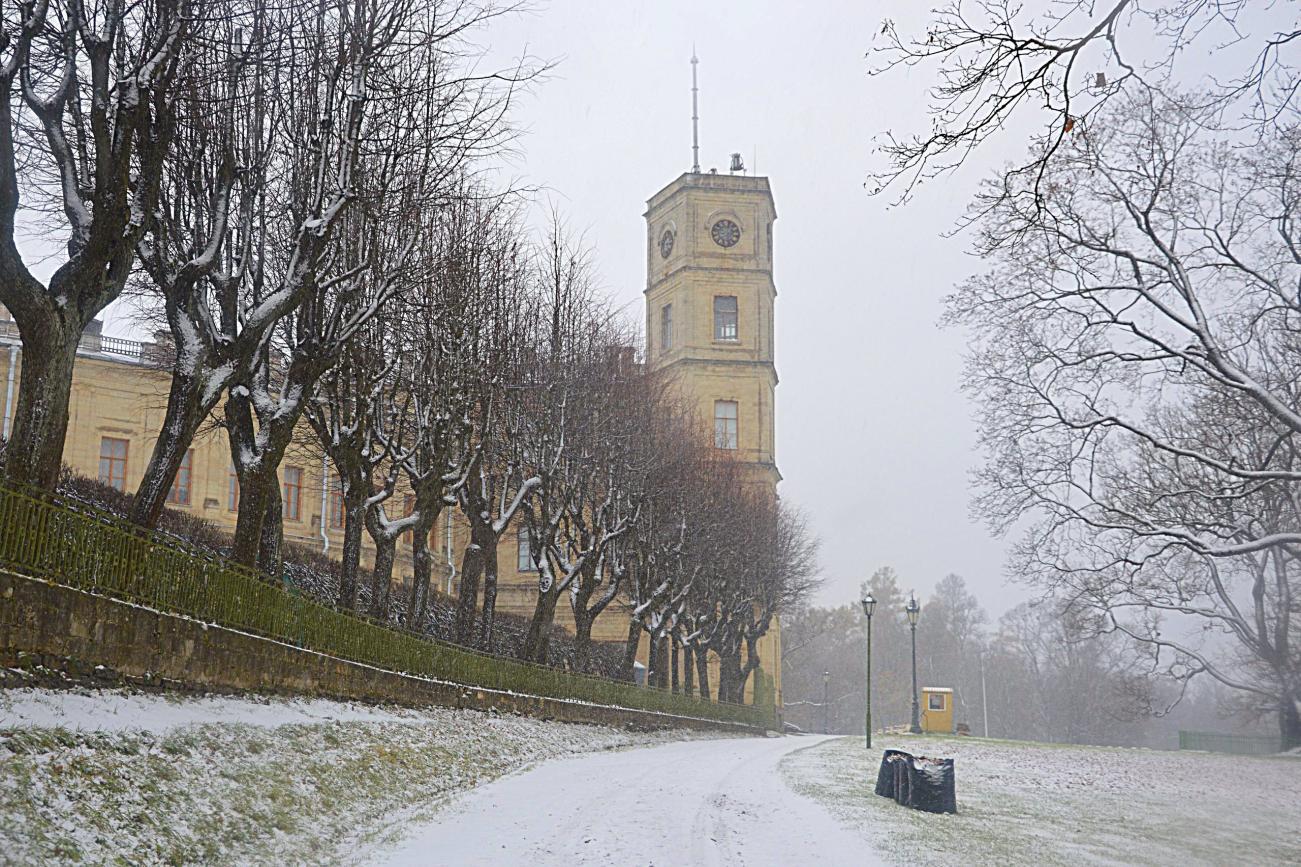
89	342
84	548
1242	745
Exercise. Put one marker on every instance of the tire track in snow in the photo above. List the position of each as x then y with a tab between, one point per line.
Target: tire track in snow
698	803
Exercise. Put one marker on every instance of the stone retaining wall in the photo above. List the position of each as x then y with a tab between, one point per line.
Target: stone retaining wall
87	636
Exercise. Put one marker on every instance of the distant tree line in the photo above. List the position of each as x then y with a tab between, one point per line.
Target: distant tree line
1035	674
297	189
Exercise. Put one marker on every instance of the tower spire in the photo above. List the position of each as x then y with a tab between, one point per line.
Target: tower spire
695	117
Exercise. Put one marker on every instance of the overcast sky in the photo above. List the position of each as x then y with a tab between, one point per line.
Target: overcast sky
874	438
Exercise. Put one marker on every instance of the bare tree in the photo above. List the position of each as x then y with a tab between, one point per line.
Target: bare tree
567	359
467	332
381	134
87	114
673	516
998	61
351	401
286	125
197	249
1136	361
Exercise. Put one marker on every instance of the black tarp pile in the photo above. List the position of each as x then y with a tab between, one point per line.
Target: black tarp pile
918	782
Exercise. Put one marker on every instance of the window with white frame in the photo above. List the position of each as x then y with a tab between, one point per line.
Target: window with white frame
523	556
112	462
725	317
183	484
336	504
292	493
232	491
725	424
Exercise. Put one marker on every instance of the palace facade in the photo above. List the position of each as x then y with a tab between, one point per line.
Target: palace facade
709	322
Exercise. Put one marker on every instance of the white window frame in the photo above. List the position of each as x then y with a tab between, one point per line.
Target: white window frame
727	428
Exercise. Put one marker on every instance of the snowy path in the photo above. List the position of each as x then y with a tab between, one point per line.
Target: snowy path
718	802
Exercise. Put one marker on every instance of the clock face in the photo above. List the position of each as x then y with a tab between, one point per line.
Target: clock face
725	233
666	243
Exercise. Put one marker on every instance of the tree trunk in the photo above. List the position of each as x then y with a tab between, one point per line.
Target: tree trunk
257	490
583	619
729	678
381	577
34	454
626	665
1289	722
537	645
353	523
422	562
688	671
273	535
489	612
180	424
702	671
653	660
750	665
471	567
582	641
673	669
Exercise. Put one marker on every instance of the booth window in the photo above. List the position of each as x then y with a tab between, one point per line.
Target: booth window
936	701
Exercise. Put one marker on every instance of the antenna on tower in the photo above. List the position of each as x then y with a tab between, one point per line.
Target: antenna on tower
695	117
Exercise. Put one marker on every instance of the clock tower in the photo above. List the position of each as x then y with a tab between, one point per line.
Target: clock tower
709	307
709	325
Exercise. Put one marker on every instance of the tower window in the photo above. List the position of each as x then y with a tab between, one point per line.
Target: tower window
725	317
666	328
725	424
112	462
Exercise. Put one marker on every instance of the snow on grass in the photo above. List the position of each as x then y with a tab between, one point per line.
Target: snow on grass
120	777
1021	803
119	710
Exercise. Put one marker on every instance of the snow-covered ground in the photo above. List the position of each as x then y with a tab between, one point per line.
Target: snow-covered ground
117	777
1047	804
719	802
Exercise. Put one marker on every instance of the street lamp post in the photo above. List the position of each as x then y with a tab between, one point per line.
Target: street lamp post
913	610
869	605
826	682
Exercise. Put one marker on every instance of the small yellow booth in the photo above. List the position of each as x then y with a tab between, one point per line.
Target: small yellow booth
937	709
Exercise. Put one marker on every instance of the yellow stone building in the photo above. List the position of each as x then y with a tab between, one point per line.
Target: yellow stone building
709	298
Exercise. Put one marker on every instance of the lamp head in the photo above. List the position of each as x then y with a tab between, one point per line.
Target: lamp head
869	604
913	610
